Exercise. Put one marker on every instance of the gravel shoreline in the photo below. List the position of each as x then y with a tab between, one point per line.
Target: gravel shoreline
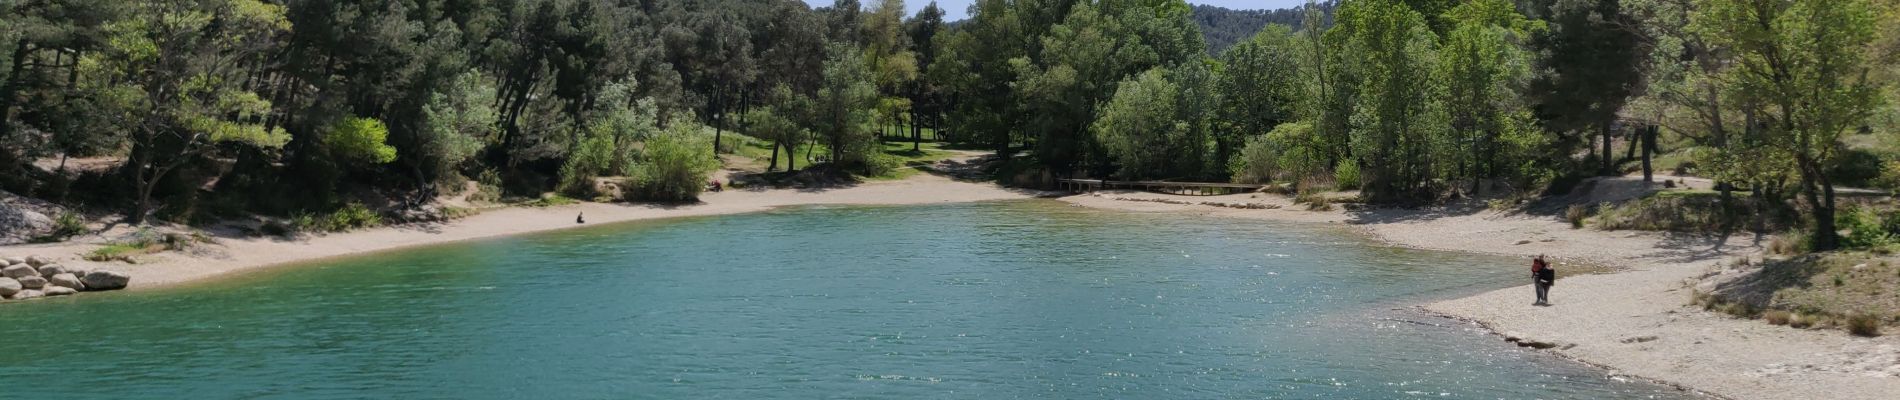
1634	322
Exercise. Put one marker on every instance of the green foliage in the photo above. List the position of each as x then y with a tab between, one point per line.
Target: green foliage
1259	91
351	216
459	121
1868	228
65	227
1139	129
142	242
841	113
675	167
1398	125
1791	72
360	140
1346	175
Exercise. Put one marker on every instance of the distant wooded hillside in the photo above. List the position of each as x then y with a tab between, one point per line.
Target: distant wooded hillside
1223	27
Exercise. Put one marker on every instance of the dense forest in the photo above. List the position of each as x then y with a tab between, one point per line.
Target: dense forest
222	107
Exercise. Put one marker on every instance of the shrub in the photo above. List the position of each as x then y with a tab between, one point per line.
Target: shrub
592	158
1789	243
1576	214
1314	198
361	140
145	241
676	167
1866	229
1256	163
1801	321
65	227
1777	317
1864	324
487	186
351	216
1346	175
880	164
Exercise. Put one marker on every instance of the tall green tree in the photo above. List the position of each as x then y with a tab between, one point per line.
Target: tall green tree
1801	71
1486	73
174	68
1398	121
1261	89
1590	68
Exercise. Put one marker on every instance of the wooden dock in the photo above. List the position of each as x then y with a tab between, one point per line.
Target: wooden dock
1183	188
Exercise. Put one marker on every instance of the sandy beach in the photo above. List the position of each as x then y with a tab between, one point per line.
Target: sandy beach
235	255
1634	323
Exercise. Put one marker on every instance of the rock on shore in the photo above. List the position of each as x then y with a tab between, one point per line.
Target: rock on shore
17	271
34	276
105	280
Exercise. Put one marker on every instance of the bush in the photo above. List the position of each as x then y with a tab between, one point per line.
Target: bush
65	227
879	164
676	166
1346	175
352	216
145	241
360	139
592	158
1864	324
1801	321
1866	228
1576	214
1856	168
1789	243
1777	317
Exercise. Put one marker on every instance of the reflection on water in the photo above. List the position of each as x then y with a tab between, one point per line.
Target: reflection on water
995	300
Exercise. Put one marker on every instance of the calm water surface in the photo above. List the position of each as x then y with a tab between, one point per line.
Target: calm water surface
1028	299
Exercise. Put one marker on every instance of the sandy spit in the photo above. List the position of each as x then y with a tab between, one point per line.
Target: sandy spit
234	255
1633	323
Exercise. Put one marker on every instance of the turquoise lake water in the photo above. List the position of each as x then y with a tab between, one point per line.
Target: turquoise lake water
1020	299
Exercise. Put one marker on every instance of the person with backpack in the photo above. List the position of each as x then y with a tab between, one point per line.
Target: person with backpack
1542	276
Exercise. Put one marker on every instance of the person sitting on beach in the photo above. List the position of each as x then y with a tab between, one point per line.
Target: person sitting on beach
715	185
1542	276
580	218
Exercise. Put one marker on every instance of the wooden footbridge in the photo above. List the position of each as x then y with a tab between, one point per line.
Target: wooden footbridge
1186	188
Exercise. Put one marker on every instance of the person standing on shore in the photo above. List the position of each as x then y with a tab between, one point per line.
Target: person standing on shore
1542	276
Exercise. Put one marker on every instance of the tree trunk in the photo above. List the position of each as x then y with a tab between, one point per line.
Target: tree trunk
11	86
1648	143
1608	152
791	158
774	165
1820	196
916	132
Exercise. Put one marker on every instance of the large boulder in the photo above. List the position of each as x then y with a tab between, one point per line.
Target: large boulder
17	271
32	282
65	280
11	260
27	294
37	261
60	291
105	280
53	269
8	287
